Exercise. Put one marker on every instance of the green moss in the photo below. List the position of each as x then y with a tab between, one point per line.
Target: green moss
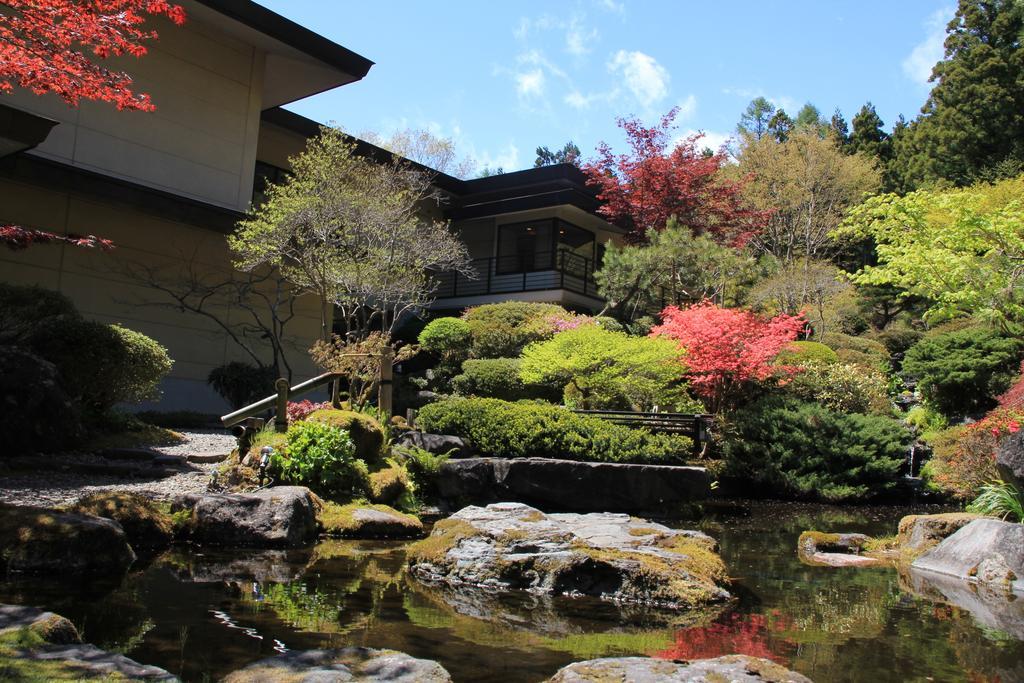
145	524
643	531
137	437
533	516
365	432
338	521
446	535
388	485
16	666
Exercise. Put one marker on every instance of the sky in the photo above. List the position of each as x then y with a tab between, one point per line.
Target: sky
501	78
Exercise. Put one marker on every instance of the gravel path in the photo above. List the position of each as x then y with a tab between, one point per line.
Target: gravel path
56	485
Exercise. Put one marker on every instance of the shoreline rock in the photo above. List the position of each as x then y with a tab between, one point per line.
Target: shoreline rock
348	664
817	548
361	521
986	552
278	517
572	485
511	546
732	668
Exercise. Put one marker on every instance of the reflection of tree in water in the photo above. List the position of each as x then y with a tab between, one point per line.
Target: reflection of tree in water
756	635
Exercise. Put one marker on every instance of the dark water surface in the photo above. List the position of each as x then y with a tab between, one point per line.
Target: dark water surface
201	615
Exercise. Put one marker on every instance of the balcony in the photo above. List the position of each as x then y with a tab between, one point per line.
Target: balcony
546	271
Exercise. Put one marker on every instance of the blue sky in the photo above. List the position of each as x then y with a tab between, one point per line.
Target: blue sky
499	79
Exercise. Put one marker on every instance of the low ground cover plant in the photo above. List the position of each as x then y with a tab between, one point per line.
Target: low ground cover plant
533	429
323	458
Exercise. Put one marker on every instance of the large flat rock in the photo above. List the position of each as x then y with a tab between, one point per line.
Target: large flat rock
335	666
731	669
278	517
986	551
572	485
511	546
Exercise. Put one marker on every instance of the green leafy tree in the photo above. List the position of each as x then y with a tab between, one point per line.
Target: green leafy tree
972	126
810	119
672	267
755	118
352	232
569	154
604	369
961	250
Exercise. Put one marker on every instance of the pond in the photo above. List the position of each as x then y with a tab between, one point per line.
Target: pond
201	616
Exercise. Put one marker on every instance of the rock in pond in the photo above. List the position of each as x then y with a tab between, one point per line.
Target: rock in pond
920	533
348	664
38	645
145	524
571	484
992	608
988	552
511	546
368	521
43	541
278	517
730	668
836	550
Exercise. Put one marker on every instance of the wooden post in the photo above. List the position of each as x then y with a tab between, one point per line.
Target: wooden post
387	357
336	393
281	418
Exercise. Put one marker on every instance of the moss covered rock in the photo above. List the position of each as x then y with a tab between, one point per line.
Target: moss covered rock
349	664
145	523
389	484
511	546
819	548
366	433
731	668
357	520
920	533
43	541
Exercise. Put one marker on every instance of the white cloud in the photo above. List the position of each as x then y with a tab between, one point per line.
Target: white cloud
578	100
613	6
578	37
711	139
530	83
506	158
918	64
790	104
642	75
687	108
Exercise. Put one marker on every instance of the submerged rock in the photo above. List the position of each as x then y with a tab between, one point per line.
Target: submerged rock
920	533
43	541
38	645
348	664
511	546
837	550
278	517
731	668
986	551
368	521
573	485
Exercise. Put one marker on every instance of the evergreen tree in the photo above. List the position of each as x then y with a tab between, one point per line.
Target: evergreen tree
569	154
809	118
972	126
755	119
780	125
839	128
868	136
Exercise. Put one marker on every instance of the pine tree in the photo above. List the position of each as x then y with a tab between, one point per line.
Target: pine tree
780	125
972	126
755	119
839	128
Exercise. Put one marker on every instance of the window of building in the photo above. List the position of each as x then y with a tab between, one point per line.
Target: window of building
544	244
266	174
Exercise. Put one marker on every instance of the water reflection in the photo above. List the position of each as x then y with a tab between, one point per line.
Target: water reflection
202	615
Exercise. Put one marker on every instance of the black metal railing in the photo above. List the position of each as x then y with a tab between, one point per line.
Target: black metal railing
522	273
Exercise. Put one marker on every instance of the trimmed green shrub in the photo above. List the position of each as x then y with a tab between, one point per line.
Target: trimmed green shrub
447	337
322	458
790	448
897	339
962	372
845	387
366	433
503	330
102	365
36	413
801	352
499	378
22	308
532	429
871	351
610	370
241	383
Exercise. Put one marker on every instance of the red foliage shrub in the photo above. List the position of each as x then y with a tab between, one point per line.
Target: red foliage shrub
964	456
728	349
298	411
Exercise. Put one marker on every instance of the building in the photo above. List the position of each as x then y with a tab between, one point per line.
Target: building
167	186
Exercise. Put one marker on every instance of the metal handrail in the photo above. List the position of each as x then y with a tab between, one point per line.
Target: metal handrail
495	275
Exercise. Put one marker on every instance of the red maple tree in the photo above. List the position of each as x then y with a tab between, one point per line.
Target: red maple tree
727	349
44	46
641	190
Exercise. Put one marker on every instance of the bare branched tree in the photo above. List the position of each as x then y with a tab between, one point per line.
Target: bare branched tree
265	298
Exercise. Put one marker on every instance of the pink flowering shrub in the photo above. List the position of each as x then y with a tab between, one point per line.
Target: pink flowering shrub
298	411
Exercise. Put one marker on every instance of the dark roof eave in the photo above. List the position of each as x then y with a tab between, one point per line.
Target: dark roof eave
24	128
468	209
290	33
